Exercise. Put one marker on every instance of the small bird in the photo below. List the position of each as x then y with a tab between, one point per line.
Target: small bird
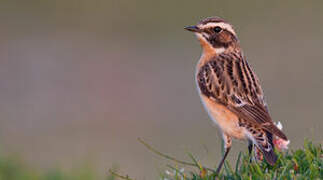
230	90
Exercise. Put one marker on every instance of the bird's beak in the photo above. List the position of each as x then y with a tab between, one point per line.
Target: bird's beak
192	28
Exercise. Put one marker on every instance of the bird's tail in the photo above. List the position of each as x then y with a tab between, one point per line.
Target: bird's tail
270	156
267	149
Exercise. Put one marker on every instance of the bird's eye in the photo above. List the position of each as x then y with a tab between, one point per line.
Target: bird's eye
217	29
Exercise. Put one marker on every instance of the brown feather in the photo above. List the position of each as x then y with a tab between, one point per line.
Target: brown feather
246	97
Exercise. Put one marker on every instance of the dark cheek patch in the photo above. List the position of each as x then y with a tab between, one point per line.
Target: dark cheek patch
217	41
223	39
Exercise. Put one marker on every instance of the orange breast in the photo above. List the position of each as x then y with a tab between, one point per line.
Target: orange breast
224	118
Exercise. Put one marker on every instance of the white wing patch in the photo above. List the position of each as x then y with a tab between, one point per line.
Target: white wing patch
219	50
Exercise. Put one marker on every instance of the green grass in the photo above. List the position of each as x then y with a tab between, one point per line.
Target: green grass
305	163
12	168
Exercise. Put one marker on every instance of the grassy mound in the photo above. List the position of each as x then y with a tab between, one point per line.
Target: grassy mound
303	163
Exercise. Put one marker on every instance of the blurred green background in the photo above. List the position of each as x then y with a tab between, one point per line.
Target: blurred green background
81	80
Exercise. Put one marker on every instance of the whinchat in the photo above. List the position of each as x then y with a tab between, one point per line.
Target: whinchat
230	90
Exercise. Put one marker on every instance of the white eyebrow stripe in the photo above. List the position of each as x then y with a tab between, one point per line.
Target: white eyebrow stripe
220	24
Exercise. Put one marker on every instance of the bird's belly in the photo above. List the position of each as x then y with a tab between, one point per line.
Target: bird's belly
224	118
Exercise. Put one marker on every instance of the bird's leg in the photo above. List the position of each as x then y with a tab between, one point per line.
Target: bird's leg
227	146
250	147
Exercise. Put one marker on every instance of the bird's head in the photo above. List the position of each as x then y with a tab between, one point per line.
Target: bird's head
215	34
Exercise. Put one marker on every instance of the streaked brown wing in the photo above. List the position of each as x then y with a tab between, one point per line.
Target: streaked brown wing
256	113
229	80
